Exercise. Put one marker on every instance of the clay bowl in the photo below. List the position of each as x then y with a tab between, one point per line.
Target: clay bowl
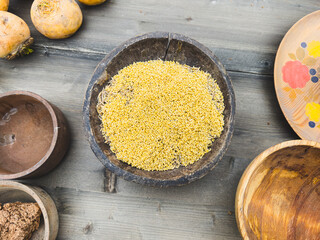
278	196
11	191
153	46
33	135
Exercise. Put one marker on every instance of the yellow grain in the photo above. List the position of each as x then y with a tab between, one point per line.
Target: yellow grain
158	115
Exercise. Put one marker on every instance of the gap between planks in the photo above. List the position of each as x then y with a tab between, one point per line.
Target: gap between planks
99	55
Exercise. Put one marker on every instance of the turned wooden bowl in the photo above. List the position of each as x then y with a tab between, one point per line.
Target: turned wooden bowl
33	135
153	46
11	192
278	196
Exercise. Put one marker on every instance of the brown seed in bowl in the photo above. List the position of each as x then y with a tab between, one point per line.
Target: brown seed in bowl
12	191
19	220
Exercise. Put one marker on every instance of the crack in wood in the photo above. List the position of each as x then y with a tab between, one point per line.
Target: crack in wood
88	228
231	163
159	207
110	181
97	55
167	48
213	218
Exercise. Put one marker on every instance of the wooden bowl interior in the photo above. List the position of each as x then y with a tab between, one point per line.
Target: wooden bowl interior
26	132
153	49
282	197
11	195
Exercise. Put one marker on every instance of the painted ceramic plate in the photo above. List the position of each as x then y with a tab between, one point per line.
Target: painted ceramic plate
297	74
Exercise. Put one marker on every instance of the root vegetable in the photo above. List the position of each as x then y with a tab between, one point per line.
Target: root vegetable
56	19
92	2
14	36
4	4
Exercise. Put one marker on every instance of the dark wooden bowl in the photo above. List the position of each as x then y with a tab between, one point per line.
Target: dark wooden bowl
11	191
278	196
152	46
33	135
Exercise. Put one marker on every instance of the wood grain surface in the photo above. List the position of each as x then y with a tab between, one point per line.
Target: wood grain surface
243	34
278	195
296	77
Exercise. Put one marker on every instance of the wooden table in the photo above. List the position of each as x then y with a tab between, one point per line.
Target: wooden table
92	204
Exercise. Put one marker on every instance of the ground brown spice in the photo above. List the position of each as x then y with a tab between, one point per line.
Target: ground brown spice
19	220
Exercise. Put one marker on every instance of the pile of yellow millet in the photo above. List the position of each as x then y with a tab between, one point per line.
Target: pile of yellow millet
159	115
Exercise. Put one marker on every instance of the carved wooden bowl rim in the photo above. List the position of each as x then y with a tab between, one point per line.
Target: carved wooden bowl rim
246	177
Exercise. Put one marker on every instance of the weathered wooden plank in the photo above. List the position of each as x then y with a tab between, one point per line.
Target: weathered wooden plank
243	34
97	215
73	228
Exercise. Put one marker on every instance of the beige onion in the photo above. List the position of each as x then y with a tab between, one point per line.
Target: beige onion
14	35
56	19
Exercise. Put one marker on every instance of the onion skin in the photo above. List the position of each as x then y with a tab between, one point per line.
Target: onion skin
14	35
92	2
56	19
4	5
